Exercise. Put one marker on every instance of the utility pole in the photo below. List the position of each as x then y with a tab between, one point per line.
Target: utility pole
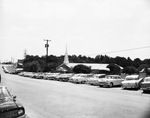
46	46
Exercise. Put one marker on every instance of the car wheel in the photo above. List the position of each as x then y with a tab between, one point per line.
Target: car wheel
111	85
83	82
122	86
138	86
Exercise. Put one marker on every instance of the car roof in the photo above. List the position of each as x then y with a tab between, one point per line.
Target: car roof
114	75
132	76
147	77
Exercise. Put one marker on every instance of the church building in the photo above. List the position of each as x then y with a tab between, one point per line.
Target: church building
66	66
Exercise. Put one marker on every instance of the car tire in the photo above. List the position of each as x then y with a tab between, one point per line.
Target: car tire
83	82
144	91
138	87
122	86
111	85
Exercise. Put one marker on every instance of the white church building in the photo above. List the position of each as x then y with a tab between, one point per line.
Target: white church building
66	66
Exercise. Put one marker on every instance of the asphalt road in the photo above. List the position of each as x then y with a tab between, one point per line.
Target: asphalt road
53	99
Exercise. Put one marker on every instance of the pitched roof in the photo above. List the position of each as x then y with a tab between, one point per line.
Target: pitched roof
92	65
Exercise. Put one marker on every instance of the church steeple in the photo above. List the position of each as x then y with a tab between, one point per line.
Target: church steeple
66	59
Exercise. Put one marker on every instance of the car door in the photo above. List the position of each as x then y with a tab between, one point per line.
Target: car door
115	79
119	80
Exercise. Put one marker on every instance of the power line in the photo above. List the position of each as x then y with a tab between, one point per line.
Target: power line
122	50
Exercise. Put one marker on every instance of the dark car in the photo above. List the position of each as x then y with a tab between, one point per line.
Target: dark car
9	106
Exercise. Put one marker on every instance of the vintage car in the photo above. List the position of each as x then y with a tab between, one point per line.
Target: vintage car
82	78
50	76
9	106
73	78
145	85
64	77
5	69
95	79
132	82
110	81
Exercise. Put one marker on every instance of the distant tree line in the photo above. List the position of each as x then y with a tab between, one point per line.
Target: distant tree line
42	64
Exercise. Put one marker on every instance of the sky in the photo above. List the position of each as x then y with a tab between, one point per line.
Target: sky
85	27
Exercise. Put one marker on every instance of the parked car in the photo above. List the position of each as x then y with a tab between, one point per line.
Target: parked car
73	78
5	69
110	81
9	106
64	77
95	79
145	85
39	75
18	70
132	81
82	78
47	75
53	76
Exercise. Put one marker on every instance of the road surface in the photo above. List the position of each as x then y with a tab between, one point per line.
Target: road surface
53	99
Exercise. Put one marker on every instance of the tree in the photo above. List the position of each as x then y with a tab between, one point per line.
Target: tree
136	62
114	69
142	66
129	70
145	68
33	66
81	69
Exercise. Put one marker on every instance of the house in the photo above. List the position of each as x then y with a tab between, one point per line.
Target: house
19	63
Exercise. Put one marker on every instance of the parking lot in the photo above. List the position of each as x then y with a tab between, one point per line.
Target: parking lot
47	98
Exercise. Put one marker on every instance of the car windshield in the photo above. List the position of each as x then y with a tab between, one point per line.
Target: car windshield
132	78
76	75
82	75
3	93
111	77
147	79
100	76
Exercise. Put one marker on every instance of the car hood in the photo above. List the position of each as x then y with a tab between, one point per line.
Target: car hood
146	82
130	81
6	104
105	80
92	79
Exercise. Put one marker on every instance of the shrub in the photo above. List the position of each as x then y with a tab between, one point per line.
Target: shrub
81	69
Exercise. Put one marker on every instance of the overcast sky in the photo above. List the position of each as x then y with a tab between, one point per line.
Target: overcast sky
87	27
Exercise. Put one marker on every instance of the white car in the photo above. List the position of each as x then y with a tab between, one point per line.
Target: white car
51	76
132	81
145	85
95	79
110	81
82	78
73	78
64	77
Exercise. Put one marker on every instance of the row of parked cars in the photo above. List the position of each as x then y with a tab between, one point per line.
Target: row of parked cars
102	80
